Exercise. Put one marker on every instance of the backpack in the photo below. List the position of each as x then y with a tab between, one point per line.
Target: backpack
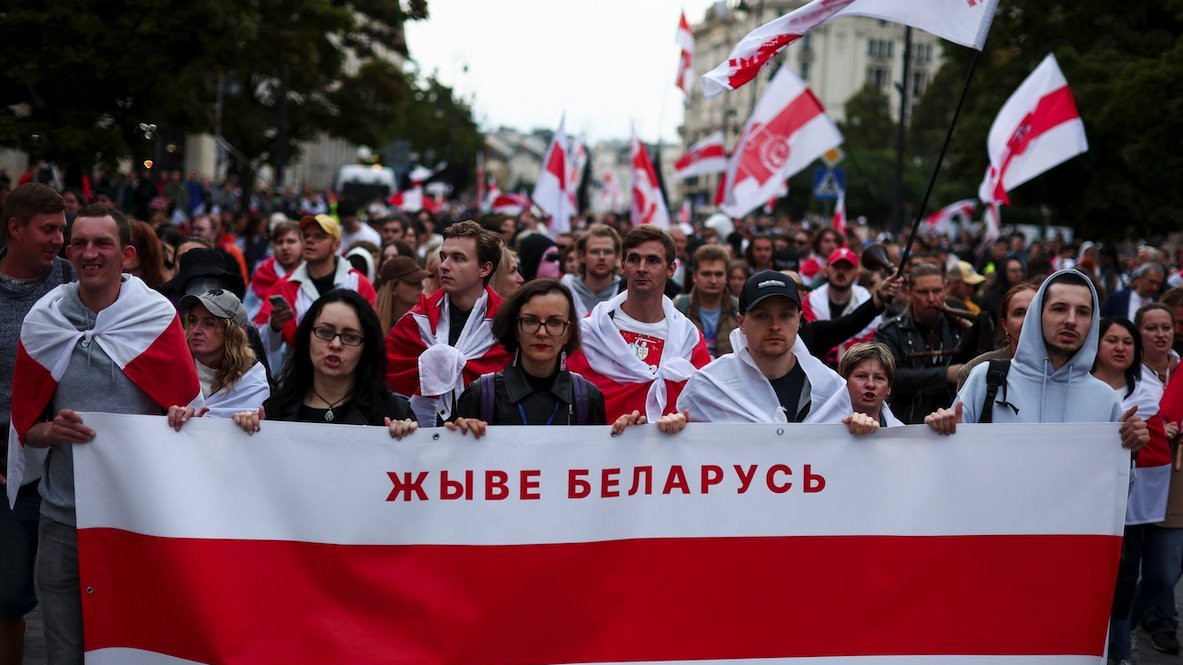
488	395
995	379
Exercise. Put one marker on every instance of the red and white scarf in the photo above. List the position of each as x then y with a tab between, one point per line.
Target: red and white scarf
141	333
608	355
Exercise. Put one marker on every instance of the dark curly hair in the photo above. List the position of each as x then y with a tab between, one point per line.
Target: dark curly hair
505	322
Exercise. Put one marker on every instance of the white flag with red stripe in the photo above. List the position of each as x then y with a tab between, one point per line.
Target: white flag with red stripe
840	213
787	131
410	200
964	22
493	192
1037	128
945	216
648	205
685	41
140	332
703	157
510	204
209	546
552	192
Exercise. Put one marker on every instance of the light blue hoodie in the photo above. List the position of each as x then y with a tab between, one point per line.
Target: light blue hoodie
1069	394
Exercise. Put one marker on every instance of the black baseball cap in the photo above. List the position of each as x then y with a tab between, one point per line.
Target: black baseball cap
767	284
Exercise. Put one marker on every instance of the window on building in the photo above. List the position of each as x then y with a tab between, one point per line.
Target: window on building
879	48
919	83
922	53
879	76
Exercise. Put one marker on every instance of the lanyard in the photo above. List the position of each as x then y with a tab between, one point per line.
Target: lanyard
522	413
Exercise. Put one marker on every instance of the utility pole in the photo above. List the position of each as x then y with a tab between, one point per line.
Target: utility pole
897	203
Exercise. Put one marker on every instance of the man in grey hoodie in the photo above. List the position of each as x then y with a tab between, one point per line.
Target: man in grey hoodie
1049	379
599	256
33	222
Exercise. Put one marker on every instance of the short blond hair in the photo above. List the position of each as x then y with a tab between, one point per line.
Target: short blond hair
856	354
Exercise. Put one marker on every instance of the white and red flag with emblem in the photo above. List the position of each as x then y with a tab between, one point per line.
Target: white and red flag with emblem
648	205
964	22
1037	128
508	203
787	131
140	332
705	156
685	40
552	192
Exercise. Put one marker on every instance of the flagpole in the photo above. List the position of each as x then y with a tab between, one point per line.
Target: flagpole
932	181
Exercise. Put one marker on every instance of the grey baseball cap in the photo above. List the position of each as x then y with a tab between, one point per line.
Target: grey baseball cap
221	303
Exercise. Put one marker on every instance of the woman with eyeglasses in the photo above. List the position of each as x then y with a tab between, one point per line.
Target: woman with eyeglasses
336	372
538	325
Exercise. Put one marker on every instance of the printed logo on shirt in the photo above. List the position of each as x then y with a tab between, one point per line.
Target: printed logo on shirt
647	348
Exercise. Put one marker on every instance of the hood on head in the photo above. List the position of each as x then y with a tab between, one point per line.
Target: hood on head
1031	354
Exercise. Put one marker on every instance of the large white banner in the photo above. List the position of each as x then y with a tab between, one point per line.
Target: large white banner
759	543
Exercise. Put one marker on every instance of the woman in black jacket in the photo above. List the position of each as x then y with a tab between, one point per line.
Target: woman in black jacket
335	372
539	325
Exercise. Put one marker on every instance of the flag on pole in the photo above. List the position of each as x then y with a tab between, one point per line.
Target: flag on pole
787	131
840	213
578	162
705	156
610	190
552	192
964	22
685	213
685	41
1037	128
648	206
492	192
940	221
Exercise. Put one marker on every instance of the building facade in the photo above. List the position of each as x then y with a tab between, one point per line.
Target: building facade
835	61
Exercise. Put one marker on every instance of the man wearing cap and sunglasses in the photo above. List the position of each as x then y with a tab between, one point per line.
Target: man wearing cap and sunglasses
838	297
321	272
770	377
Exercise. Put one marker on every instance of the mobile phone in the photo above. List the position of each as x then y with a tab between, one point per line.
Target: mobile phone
277	302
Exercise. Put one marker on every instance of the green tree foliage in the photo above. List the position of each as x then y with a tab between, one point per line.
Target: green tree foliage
80	78
1123	63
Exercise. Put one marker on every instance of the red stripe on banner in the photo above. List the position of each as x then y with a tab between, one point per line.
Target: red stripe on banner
164	371
246	602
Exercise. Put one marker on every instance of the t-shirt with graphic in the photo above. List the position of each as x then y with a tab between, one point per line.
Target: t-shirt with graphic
647	340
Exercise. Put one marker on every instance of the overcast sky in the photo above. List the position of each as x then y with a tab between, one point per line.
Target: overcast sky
604	62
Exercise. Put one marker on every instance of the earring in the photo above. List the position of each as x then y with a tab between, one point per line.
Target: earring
563	360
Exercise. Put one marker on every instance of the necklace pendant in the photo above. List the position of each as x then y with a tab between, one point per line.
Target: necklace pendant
329	415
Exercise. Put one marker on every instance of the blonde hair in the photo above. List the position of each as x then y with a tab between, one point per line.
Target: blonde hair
856	354
384	304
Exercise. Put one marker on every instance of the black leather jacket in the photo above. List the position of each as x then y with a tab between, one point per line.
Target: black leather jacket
921	383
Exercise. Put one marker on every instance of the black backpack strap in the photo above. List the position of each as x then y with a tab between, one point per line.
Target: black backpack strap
995	379
488	394
579	386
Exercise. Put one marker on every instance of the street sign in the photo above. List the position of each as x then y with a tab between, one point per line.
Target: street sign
828	182
832	156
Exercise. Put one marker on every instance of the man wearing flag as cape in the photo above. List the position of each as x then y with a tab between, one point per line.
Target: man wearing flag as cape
105	343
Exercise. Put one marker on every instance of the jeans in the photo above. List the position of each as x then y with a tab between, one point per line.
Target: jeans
18	551
61	597
1162	559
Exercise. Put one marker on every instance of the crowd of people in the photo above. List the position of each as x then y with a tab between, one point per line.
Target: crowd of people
350	312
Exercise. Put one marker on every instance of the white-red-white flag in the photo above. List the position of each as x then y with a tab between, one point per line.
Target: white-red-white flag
703	157
411	200
685	213
992	221
610	191
840	213
941	220
492	192
509	204
685	41
1037	128
578	163
964	22
787	131
552	192
648	206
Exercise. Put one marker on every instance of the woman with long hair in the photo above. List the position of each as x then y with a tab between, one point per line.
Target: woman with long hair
232	379
1010	324
400	285
148	264
539	326
507	278
336	372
